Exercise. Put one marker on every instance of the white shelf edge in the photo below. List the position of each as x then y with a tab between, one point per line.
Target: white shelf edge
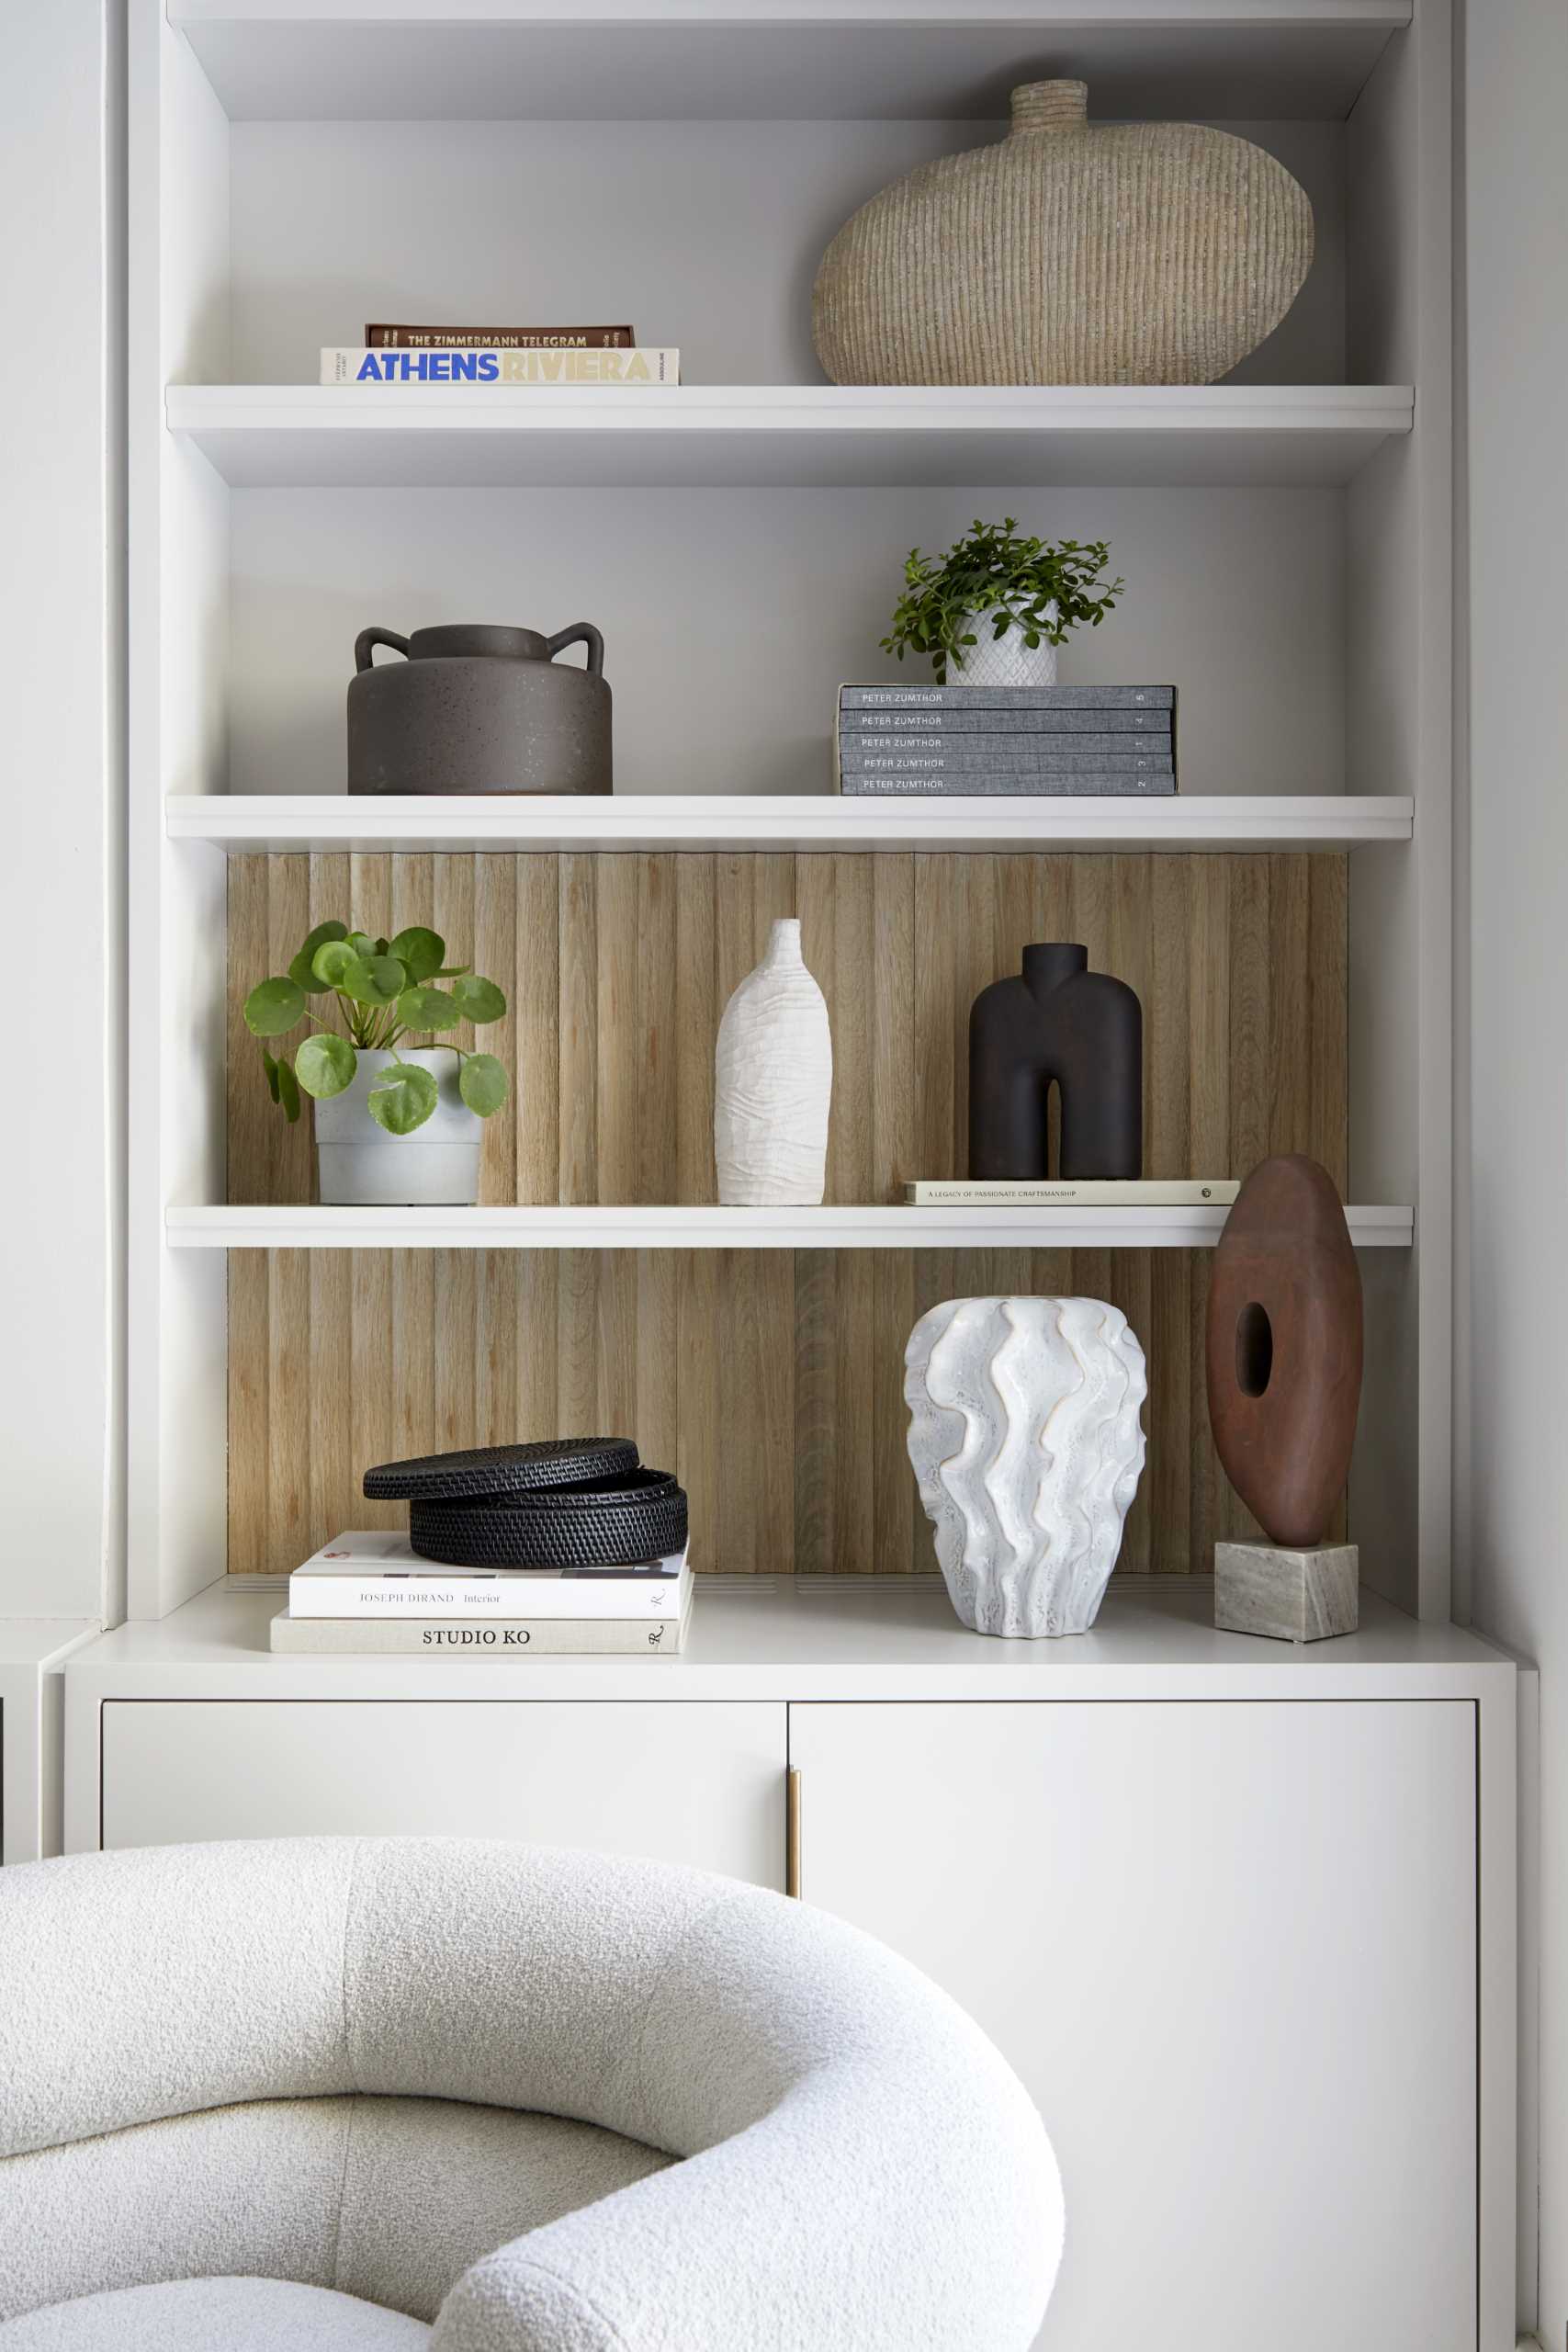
730	1229
691	821
749	14
796	408
781	436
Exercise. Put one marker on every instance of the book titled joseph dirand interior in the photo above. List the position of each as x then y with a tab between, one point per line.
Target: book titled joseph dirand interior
959	739
376	1573
501	365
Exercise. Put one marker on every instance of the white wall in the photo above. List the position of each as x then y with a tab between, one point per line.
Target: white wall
1516	166
59	626
775	599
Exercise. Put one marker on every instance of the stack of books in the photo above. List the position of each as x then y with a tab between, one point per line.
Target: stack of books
369	1590
393	353
1006	739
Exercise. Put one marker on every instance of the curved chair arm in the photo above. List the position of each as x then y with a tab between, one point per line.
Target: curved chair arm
896	2194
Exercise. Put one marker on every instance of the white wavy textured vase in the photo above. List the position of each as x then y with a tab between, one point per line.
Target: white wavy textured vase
774	1083
1027	1444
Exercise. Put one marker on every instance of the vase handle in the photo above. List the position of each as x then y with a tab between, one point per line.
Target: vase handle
370	638
580	633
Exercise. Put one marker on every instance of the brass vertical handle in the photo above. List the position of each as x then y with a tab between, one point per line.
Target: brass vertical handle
791	1834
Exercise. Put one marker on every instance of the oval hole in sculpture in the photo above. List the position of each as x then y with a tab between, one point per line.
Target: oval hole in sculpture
1253	1349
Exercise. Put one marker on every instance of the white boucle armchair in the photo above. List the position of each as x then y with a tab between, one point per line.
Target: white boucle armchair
337	2095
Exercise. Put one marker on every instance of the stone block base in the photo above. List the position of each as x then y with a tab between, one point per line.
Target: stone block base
1290	1596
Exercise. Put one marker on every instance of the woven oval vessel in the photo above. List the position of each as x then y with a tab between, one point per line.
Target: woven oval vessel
640	1517
481	1471
1143	252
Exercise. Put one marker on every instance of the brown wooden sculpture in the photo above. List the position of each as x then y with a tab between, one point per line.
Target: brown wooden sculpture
1284	1348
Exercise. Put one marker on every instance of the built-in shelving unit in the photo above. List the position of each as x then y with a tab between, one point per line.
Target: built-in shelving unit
299	167
682	162
270	437
786	822
638	1228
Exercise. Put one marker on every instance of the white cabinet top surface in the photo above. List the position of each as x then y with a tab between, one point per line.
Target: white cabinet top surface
822	1637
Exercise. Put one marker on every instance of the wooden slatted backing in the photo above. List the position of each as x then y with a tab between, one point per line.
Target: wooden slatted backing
771	1382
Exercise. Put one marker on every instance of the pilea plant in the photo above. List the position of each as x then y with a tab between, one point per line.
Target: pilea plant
382	990
1047	587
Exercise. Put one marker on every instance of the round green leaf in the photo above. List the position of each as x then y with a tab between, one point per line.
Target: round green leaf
373	979
419	951
273	1007
363	944
325	1064
477	1000
332	960
288	1089
271	1069
482	1083
403	1098
427	1008
302	971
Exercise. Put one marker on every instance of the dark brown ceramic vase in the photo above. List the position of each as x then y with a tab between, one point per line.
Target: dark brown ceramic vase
1056	1023
1284	1349
475	708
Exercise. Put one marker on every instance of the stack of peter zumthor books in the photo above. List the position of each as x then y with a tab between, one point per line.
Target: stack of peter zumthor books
369	1591
579	356
1082	739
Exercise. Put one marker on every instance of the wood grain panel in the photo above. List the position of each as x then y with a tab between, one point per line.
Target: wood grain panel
771	1382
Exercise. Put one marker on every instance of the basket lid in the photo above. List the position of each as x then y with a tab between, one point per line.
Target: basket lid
482	1470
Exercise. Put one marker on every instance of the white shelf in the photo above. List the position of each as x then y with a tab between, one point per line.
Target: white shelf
846	1637
270	437
786	60
731	1228
780	821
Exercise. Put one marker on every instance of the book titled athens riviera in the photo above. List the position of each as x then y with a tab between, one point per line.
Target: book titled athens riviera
477	364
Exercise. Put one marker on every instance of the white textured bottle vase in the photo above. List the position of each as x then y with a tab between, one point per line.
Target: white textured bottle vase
1026	1435
773	1081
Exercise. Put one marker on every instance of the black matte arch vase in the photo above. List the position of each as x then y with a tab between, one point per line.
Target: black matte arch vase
1057	1024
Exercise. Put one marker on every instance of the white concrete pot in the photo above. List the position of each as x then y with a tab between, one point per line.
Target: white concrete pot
1028	1445
774	1083
361	1165
1005	661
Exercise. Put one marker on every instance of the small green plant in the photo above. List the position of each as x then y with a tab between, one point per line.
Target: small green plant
996	570
382	990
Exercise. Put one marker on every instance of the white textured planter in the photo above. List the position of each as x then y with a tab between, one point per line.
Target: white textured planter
774	1083
1027	1442
1005	661
361	1165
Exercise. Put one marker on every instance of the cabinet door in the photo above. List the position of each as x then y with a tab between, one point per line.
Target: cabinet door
1230	1947
683	1782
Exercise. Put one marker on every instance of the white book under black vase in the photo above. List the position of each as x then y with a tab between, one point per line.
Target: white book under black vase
374	1574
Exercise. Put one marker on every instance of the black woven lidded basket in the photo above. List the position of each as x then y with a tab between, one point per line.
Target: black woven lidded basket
639	1516
484	1472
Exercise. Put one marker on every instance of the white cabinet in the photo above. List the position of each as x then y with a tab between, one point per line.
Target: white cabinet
1241	1916
699	1784
1231	1947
